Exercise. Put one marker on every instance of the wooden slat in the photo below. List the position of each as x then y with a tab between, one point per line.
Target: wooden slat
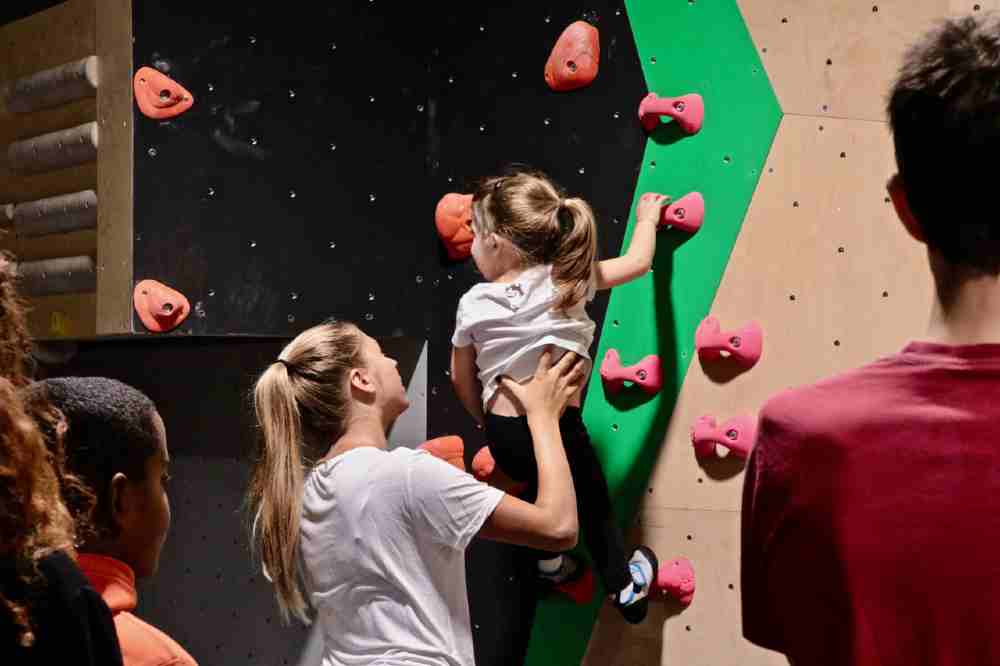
114	221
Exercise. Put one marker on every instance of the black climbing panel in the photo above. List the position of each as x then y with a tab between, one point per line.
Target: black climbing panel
302	184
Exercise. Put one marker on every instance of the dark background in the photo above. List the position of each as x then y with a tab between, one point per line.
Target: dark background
458	93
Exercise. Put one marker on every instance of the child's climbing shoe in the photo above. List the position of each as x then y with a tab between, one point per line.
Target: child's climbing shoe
573	579
633	601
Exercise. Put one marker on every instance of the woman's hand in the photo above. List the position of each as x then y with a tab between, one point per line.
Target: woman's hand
551	387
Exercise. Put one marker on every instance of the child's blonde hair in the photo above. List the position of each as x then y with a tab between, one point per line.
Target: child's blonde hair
302	401
543	225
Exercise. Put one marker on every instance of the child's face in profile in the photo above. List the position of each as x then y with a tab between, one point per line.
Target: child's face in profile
147	519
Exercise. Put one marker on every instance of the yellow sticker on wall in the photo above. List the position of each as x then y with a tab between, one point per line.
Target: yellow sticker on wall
59	324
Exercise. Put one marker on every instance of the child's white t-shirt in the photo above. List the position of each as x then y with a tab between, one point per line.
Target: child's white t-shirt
383	541
511	323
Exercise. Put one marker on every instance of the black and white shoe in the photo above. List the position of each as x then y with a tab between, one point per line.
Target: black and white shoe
633	601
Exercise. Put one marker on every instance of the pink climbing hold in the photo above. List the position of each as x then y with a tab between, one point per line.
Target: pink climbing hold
686	214
688	111
647	374
676	580
737	435
743	345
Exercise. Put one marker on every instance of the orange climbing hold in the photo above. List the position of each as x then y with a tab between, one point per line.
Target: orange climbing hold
159	96
449	448
453	218
160	308
574	59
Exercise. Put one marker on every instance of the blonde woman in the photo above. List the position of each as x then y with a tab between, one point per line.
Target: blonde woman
371	542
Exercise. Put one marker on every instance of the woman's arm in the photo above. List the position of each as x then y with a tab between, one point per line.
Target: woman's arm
466	381
639	257
550	523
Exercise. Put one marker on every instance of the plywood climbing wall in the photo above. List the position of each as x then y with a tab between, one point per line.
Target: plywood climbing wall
821	263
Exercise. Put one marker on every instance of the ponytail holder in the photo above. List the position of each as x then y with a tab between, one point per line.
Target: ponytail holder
288	366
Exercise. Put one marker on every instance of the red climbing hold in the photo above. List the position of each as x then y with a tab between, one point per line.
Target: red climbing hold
483	464
580	589
647	374
449	448
743	345
687	111
484	468
160	308
676	580
158	96
686	214
574	59
453	218
737	434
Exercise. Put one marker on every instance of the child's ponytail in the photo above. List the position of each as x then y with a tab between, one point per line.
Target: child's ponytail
576	250
543	226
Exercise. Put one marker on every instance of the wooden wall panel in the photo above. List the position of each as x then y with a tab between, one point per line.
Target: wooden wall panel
863	42
825	267
58	35
114	173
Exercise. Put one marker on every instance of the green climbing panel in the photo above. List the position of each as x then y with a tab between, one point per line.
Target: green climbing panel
684	46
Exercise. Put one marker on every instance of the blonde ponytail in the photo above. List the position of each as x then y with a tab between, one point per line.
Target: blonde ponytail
531	212
302	405
573	260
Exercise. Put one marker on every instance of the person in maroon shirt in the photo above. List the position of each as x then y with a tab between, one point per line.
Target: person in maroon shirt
871	507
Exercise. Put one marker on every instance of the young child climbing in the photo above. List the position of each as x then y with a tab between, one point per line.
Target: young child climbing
537	250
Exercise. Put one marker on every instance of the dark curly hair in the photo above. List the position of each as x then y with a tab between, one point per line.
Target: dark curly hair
944	110
15	344
34	522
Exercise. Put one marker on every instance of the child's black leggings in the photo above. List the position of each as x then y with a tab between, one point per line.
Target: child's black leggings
510	442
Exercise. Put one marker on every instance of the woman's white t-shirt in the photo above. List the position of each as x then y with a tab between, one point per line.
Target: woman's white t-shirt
383	541
511	323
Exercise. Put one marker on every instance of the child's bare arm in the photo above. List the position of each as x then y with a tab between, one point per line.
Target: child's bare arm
639	257
466	381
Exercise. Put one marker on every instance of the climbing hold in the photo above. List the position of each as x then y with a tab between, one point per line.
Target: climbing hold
485	468
453	217
646	374
686	214
579	589
744	345
449	448
687	111
483	464
158	96
675	579
737	435
574	59
160	308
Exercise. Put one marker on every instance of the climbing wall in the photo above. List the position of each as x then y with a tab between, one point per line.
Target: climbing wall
821	263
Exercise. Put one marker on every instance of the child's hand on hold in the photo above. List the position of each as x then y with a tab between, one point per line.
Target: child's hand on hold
651	207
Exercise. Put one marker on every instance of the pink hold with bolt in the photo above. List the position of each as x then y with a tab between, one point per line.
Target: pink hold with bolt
686	214
743	345
688	111
675	579
647	374
737	435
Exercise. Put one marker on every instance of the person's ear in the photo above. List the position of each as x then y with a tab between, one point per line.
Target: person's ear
121	500
362	380
902	205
